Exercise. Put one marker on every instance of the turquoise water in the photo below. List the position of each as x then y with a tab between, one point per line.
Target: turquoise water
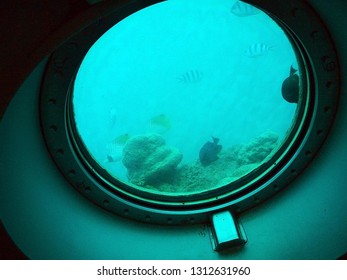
205	70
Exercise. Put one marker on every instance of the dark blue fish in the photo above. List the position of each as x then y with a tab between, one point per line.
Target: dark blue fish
209	152
290	87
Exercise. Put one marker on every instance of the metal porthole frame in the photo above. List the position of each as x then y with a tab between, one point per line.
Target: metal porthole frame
303	27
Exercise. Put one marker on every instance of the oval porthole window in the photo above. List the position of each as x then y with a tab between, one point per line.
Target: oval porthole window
184	106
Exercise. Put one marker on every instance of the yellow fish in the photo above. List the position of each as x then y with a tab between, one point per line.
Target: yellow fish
121	139
159	124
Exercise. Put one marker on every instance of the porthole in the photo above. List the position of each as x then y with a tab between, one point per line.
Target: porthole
167	112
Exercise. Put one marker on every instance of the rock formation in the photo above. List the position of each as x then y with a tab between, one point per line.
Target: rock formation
149	160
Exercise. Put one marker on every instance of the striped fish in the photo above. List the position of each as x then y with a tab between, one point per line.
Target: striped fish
258	49
242	9
114	152
191	77
114	149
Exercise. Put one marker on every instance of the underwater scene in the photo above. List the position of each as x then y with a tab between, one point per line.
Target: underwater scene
187	96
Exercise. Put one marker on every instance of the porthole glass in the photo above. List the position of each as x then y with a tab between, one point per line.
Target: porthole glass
189	98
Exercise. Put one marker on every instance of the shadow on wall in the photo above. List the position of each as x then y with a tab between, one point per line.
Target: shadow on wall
8	250
31	24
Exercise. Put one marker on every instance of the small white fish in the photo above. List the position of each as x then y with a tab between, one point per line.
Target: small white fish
191	77
258	49
112	117
242	9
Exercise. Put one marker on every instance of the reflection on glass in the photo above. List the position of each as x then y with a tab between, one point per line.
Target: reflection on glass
188	104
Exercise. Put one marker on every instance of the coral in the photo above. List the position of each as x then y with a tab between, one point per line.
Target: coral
195	177
244	169
233	163
149	160
154	165
257	150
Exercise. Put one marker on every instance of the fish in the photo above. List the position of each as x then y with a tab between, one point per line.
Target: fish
290	86
191	77
114	153
121	139
115	148
110	158
209	152
258	49
112	117
159	124
242	9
